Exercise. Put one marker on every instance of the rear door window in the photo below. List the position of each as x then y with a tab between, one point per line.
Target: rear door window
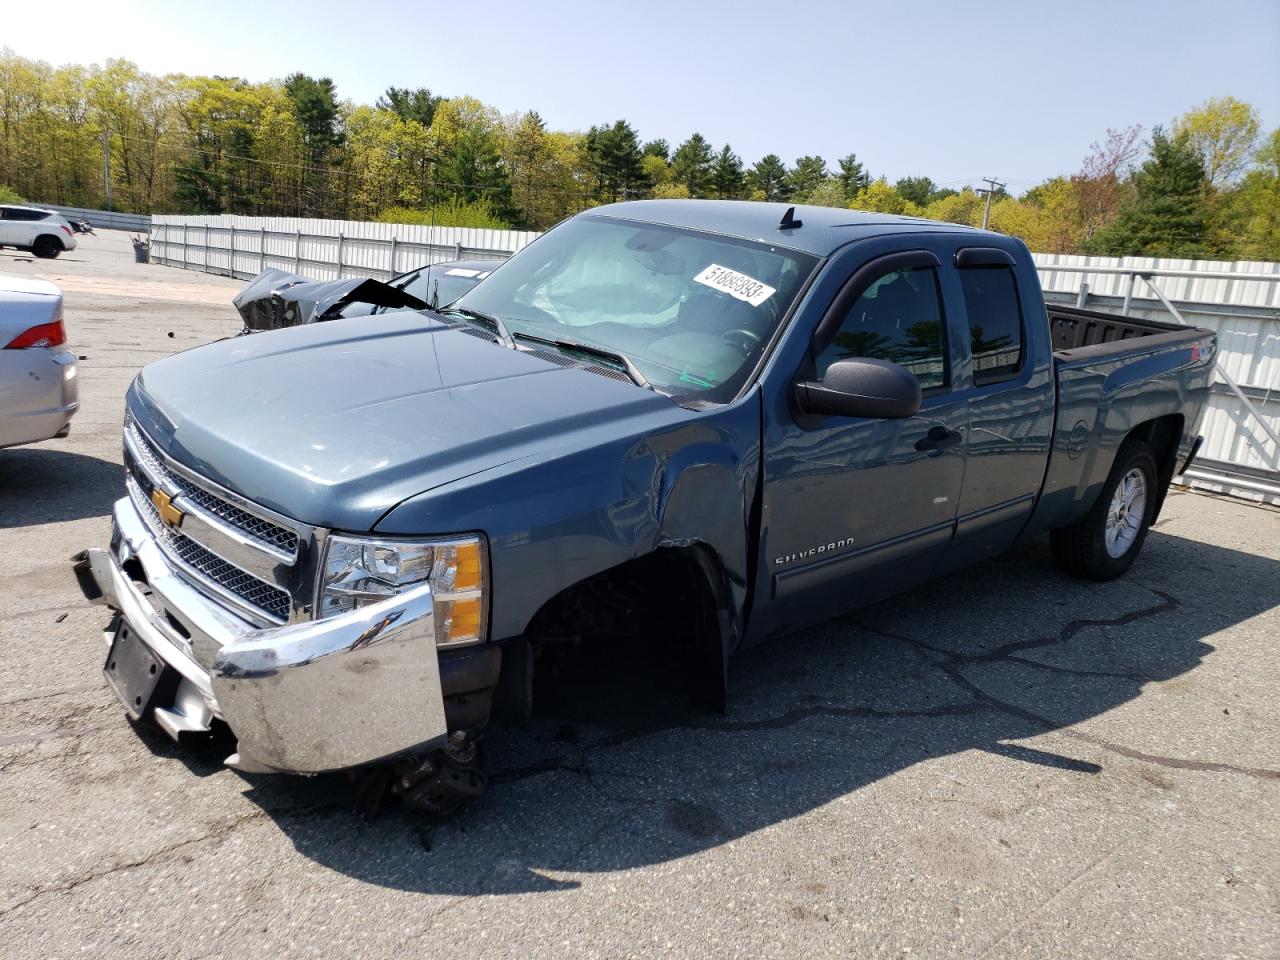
898	318
995	322
15	213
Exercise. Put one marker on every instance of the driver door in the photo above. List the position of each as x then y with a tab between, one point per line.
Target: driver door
855	509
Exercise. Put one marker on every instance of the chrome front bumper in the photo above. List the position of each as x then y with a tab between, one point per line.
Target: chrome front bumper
303	698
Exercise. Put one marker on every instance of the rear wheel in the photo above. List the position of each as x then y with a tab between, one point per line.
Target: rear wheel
47	247
1103	543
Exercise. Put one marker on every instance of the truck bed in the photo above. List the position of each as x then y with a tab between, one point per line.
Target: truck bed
1078	333
1115	374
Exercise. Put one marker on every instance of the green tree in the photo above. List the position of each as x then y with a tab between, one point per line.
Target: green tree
1224	132
853	176
657	148
879	197
728	179
964	207
1256	205
806	176
617	160
656	170
1060	224
1167	216
829	193
419	104
691	165
919	190
315	103
768	178
543	166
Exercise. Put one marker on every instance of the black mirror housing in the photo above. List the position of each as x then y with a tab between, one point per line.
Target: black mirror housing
861	387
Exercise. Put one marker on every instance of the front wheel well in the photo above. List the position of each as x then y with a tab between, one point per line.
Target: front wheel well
672	602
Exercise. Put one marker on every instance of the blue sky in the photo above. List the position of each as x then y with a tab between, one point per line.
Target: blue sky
955	91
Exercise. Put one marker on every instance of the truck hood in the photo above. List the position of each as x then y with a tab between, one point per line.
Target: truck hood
334	424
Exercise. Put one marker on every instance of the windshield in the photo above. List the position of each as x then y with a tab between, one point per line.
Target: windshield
693	311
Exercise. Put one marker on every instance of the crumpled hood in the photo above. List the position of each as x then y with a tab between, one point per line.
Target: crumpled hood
277	298
336	423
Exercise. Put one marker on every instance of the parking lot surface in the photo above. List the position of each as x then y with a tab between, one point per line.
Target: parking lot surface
1004	763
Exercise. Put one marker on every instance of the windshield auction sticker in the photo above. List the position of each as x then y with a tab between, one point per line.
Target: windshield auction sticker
735	284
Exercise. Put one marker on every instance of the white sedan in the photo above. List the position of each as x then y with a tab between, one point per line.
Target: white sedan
38	388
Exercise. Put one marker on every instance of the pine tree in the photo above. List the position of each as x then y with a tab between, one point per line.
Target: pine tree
691	165
806	176
728	180
419	104
657	148
919	190
853	176
769	177
1167	215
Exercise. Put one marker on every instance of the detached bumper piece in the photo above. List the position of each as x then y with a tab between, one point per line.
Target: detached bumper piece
302	698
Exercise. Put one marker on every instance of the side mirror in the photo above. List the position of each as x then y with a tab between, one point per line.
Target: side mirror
861	387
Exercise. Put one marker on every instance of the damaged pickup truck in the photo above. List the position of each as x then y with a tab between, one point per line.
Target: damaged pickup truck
714	422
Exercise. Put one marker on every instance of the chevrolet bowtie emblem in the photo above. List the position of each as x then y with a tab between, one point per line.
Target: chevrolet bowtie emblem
169	514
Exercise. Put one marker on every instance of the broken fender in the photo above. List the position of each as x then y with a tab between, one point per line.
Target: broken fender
275	299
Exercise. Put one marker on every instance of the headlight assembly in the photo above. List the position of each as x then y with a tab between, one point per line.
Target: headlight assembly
358	571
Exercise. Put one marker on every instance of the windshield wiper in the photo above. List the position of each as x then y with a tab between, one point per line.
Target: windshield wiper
499	327
600	353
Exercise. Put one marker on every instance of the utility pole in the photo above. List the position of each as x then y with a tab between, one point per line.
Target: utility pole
106	165
992	186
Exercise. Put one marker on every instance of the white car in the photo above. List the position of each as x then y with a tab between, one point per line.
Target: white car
43	232
39	392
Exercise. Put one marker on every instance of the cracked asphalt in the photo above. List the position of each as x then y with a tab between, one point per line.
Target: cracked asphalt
1004	763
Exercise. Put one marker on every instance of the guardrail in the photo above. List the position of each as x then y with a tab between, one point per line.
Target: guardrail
104	219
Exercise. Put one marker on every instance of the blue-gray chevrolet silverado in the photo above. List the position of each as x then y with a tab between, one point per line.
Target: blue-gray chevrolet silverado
710	422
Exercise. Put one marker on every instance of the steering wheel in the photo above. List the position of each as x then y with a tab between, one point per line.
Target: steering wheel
742	338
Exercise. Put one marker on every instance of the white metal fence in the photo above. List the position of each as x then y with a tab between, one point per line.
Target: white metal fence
1239	300
323	249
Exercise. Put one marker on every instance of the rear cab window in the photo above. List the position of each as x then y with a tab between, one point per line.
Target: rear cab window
996	332
898	318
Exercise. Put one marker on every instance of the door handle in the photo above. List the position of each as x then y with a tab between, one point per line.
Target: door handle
938	438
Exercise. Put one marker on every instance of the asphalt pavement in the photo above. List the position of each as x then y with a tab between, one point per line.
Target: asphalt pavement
1007	762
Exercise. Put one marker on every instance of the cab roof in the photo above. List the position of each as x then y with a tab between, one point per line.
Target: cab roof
823	229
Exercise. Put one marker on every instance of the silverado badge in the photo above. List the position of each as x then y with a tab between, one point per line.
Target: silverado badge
169	514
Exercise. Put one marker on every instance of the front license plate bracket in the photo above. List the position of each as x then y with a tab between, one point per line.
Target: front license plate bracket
133	671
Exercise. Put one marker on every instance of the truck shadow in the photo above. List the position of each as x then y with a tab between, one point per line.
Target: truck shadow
614	775
44	485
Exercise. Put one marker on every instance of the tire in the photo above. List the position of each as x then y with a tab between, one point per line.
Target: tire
442	782
46	247
1103	543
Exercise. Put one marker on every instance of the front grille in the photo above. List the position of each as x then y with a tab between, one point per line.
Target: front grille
259	528
267	597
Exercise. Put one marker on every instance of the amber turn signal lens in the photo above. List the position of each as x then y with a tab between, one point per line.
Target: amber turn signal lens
458	621
467	558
